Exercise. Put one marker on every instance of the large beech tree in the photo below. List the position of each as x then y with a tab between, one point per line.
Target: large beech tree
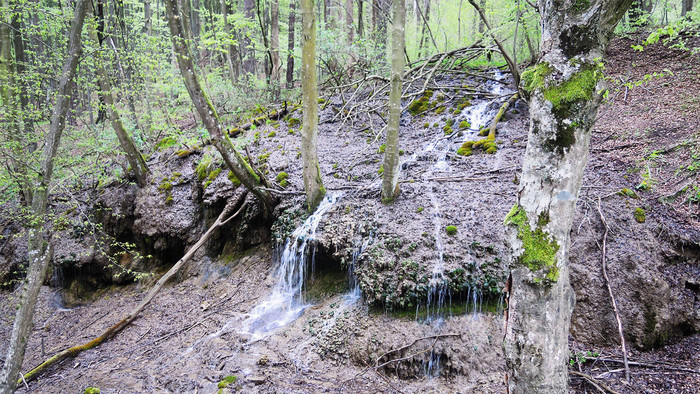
39	251
564	90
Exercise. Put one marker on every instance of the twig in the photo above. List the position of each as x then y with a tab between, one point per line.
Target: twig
594	382
646	365
612	297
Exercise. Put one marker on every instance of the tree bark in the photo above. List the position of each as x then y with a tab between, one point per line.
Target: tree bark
686	7
231	55
348	21
249	62
233	159
39	253
390	181
290	44
564	91
360	19
275	45
133	155
147	15
313	184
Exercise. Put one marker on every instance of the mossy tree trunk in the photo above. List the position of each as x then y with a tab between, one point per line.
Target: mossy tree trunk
39	251
133	155
313	184
564	91
233	159
390	182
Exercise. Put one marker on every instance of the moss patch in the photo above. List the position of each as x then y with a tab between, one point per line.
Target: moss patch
539	248
579	86
451	230
640	216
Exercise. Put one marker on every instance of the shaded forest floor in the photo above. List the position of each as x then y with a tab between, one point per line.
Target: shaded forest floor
189	339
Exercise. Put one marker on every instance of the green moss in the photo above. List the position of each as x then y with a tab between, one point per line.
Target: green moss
426	125
165	186
227	381
578	6
466	149
232	177
533	77
484	131
464	124
451	230
272	134
382	148
293	122
440	109
206	184
321	100
381	170
212	175
639	215
401	152
166	142
447	130
539	248
169	199
420	209
284	183
282	176
488	145
450	122
579	86
628	193
91	390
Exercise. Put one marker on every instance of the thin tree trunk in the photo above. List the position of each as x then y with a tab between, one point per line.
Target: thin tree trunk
196	20
249	62
290	44
147	15
360	19
686	7
231	55
39	252
233	159
133	155
275	46
348	21
390	182
313	184
564	99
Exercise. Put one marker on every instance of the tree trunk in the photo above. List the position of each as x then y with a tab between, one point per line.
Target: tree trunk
133	155
233	159
348	21
231	55
290	44
564	95
196	20
275	46
39	253
360	19
686	7
249	62
313	184
147	15
390	182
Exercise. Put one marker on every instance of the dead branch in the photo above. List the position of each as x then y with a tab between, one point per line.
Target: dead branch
612	297
600	386
112	331
658	365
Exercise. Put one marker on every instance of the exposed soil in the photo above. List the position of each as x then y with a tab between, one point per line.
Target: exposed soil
190	337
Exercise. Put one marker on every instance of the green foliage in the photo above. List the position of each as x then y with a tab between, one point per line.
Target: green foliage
640	215
226	381
464	125
91	390
451	230
167	142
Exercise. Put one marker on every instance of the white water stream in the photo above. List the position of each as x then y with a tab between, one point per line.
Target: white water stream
286	303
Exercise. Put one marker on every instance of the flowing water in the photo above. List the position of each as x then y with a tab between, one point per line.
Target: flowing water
286	303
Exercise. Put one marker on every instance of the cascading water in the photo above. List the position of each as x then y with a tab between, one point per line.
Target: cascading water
360	245
286	303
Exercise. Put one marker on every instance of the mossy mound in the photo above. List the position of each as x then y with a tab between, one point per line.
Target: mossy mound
640	215
422	104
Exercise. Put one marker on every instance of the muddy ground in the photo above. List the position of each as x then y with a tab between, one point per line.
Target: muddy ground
190	338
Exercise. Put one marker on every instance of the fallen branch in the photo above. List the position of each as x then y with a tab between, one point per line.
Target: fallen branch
499	115
645	365
612	297
594	382
112	331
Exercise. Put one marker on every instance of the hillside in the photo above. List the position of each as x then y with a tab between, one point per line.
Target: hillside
431	299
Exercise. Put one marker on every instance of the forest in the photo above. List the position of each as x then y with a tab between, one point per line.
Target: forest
358	196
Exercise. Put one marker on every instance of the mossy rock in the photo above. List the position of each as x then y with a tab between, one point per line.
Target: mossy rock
232	177
466	149
464	125
447	130
293	122
440	110
640	215
91	390
451	230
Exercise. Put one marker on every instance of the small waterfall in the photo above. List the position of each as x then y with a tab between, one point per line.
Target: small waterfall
360	245
286	303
